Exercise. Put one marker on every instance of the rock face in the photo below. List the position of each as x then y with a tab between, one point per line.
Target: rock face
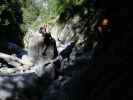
23	76
50	77
47	79
13	86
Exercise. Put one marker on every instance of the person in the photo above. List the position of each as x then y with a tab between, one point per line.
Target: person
43	29
67	51
50	45
48	40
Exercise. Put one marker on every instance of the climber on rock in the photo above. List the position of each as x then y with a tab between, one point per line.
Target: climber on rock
50	48
48	41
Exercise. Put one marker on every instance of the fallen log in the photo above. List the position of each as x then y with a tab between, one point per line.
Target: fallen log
14	61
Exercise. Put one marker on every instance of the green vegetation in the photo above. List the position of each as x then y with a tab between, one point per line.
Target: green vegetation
24	14
46	10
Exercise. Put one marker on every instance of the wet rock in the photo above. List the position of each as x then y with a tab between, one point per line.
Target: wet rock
11	86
